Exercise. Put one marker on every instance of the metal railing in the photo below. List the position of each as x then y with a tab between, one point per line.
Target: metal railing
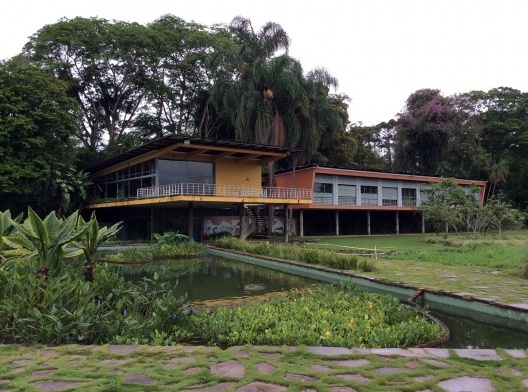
223	191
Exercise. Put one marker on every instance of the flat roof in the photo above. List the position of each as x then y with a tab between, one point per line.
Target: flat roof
181	144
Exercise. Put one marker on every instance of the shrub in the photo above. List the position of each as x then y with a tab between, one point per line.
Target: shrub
325	315
66	309
326	258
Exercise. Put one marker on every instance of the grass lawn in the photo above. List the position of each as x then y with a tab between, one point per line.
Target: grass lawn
484	267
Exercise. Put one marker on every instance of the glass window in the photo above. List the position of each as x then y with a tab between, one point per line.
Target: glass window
322	187
369	190
174	172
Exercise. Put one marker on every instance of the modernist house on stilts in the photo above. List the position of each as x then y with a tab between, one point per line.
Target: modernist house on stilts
347	202
206	187
193	186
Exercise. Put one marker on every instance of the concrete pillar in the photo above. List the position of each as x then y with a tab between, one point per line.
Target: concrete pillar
368	222
337	222
151	223
241	220
397	222
301	223
286	228
190	222
423	224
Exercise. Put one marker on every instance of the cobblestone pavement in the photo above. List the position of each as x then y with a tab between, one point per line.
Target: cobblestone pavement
260	368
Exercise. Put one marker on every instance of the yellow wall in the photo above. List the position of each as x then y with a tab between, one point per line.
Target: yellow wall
245	174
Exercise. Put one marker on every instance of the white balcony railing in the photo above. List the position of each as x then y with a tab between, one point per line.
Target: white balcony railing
223	191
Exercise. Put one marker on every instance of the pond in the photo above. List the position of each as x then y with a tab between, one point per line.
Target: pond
216	281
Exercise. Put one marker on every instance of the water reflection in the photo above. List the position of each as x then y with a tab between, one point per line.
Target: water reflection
467	333
212	279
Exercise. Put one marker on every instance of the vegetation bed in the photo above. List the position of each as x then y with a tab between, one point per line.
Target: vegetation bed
324	315
324	257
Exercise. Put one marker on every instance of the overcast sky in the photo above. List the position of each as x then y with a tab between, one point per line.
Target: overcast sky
380	51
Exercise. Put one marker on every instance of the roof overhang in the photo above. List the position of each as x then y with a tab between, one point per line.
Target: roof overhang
182	148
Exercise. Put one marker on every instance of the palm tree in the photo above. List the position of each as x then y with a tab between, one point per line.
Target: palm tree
498	173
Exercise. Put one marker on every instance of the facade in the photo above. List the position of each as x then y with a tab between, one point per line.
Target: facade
362	202
194	186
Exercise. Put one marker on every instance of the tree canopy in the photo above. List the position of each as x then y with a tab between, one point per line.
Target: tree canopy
37	123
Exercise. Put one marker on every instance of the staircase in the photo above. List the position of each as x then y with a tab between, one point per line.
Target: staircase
258	224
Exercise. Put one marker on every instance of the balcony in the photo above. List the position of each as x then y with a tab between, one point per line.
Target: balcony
224	191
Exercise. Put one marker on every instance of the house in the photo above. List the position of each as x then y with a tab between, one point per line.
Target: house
193	186
362	202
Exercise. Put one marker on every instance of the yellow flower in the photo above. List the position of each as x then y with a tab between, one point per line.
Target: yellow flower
327	333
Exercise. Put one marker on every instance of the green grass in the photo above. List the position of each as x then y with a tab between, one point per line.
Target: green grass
508	252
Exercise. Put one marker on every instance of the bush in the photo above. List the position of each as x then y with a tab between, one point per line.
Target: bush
64	309
325	315
292	252
158	251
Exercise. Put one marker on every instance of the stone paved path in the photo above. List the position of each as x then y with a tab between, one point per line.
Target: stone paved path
262	368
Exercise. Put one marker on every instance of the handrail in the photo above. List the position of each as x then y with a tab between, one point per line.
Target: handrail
223	191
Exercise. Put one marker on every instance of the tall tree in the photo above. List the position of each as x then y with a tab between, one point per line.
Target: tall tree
179	74
37	124
423	132
102	62
505	138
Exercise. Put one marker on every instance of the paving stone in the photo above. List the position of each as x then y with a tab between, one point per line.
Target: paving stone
329	351
434	362
242	354
525	382
309	390
266	368
170	366
58	385
122	349
300	377
115	362
467	384
515	373
320	368
391	370
142	379
479	355
222	386
392	352
228	368
192	371
424	378
47	353
22	362
43	373
353	377
342	389
261	387
182	360
271	355
350	363
437	352
516	353
413	364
